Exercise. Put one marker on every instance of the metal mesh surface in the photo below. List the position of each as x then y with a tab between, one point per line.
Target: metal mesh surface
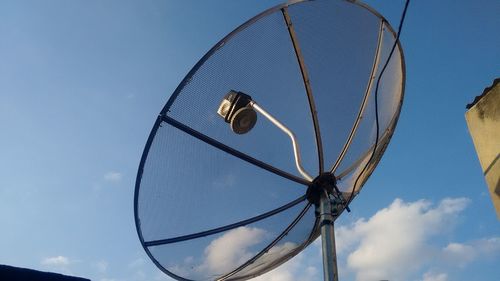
212	204
338	41
259	61
291	244
213	256
189	186
389	103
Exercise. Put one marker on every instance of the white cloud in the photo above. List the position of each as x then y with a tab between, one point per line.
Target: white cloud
160	276
55	261
393	243
231	249
462	254
428	276
488	245
137	263
396	243
113	176
272	255
101	266
139	275
296	269
225	181
234	248
293	270
451	205
59	264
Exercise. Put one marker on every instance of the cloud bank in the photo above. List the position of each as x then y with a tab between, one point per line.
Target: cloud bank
59	264
231	249
400	242
396	243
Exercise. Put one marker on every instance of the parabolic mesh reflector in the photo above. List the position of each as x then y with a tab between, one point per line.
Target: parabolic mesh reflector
212	204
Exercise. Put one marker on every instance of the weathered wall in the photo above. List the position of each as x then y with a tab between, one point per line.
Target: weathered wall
483	120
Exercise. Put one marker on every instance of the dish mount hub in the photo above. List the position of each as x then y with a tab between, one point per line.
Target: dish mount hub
321	184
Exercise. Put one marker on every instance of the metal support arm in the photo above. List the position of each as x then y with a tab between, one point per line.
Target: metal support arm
296	150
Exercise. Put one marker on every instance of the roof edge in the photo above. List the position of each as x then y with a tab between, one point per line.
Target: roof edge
485	91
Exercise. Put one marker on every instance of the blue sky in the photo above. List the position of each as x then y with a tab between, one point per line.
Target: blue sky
81	83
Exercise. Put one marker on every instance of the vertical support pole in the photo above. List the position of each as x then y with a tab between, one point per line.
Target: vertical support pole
330	271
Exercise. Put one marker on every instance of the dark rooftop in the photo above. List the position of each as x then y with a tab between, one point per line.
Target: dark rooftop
11	273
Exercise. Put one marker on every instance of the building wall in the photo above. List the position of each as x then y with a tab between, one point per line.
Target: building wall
483	120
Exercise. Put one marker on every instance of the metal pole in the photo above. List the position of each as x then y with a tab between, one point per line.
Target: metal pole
330	272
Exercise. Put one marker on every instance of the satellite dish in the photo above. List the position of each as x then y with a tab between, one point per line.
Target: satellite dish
224	191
